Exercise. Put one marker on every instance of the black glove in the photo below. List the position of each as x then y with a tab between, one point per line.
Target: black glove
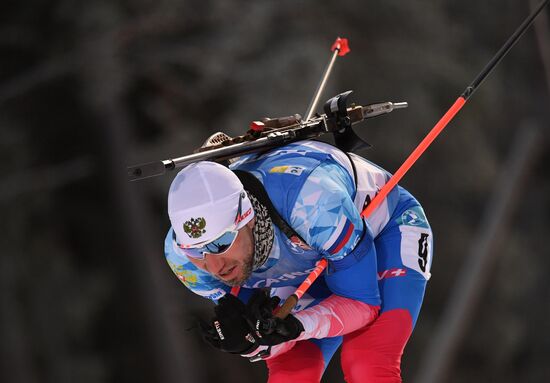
229	331
270	330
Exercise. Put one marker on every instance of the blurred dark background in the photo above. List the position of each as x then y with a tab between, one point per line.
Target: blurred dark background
87	88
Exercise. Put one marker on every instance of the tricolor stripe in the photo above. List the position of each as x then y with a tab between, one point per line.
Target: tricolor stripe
343	238
337	232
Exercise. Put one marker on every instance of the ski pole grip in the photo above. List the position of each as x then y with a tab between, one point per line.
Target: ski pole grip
287	307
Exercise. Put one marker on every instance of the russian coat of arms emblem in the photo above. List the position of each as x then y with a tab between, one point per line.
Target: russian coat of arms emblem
195	227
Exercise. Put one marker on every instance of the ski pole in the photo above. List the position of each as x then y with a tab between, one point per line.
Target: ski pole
340	48
291	301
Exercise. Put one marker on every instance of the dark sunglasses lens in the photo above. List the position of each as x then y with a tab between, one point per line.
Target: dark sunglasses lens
217	246
221	244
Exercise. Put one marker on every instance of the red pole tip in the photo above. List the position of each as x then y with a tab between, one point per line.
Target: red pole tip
342	45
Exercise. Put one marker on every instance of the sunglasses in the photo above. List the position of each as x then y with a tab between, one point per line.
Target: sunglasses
219	245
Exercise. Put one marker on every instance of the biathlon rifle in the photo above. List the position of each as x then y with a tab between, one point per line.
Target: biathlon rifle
338	119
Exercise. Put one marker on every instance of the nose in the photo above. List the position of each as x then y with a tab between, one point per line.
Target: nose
214	263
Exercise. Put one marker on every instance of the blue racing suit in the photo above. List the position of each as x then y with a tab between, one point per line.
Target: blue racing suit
320	191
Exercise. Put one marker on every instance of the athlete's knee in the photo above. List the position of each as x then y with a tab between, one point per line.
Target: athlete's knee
374	354
302	364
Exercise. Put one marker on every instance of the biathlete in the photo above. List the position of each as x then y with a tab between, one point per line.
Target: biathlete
263	222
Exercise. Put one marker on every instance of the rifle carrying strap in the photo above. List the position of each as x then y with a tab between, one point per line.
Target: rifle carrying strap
253	185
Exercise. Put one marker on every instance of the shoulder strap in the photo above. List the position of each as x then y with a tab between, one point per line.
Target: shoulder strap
253	185
353	168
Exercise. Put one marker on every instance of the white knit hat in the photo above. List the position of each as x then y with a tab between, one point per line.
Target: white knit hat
203	201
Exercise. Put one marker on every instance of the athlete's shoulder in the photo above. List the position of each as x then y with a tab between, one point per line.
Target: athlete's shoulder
324	213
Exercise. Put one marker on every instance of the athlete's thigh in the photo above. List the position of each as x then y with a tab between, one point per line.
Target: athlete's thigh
305	362
404	254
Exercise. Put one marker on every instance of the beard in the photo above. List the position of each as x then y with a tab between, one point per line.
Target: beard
247	265
246	272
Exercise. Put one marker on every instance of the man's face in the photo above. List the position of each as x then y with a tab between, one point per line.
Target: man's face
235	265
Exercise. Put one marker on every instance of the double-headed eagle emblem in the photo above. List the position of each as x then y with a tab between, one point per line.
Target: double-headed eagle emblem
195	227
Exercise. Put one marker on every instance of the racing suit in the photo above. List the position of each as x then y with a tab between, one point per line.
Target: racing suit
381	262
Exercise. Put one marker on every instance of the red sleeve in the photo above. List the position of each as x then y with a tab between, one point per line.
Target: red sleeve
335	316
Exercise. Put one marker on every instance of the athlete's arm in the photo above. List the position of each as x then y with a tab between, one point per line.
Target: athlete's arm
334	316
